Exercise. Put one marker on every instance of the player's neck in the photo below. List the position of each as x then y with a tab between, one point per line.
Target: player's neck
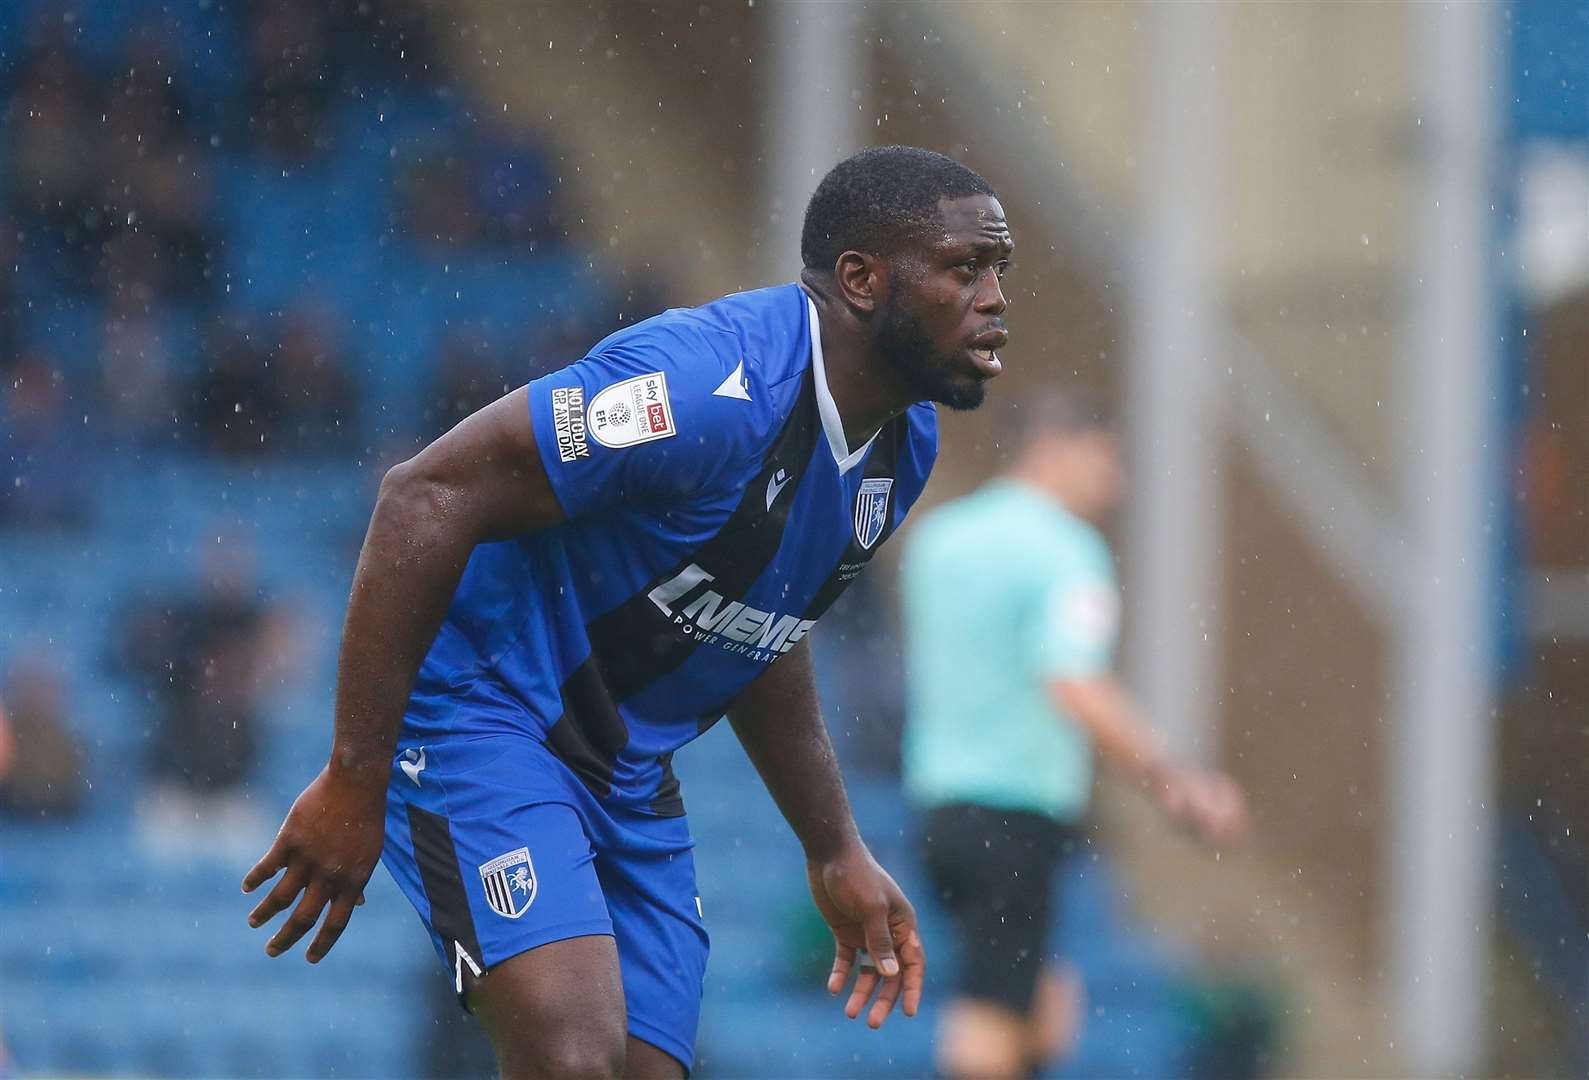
1050	487
859	385
866	389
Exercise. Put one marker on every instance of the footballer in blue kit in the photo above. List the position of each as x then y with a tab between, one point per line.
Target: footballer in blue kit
579	579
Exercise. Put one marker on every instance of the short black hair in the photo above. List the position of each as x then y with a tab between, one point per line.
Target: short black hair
877	199
1067	411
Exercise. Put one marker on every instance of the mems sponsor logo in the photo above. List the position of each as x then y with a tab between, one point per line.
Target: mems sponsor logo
711	619
568	422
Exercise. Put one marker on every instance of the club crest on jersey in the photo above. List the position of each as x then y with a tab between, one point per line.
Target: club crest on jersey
632	412
509	882
871	510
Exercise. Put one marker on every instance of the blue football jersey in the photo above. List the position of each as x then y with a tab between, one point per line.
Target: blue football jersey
714	512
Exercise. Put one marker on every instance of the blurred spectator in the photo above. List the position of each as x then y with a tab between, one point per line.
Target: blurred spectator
1011	609
203	660
252	400
436	196
288	93
7	744
496	194
564	336
136	369
311	405
387	43
470	372
638	295
154	182
230	402
41	761
11	303
516	188
42	452
51	130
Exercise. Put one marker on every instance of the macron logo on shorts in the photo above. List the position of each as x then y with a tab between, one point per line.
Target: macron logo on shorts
413	763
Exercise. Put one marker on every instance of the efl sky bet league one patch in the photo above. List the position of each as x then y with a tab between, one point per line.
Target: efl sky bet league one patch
632	412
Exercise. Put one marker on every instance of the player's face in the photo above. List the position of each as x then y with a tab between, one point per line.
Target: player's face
945	316
1087	468
1101	475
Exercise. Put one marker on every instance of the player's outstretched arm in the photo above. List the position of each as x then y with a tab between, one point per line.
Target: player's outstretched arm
779	723
1209	802
481	481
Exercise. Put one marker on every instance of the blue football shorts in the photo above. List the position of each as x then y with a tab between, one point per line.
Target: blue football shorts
500	849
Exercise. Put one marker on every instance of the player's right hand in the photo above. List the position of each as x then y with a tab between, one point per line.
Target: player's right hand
326	850
872	923
1211	803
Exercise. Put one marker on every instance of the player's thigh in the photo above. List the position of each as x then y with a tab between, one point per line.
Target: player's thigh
482	840
648	877
1057	1009
646	1062
992	871
504	878
981	1040
555	1011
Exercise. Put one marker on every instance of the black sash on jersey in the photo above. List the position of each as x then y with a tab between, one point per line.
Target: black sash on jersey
637	643
880	463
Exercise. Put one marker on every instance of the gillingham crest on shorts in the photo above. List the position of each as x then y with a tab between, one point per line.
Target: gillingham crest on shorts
509	882
871	510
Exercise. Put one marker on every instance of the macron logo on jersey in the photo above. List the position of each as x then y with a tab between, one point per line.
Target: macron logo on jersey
705	616
735	386
775	484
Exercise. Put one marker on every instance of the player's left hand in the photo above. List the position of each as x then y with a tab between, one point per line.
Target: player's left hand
872	920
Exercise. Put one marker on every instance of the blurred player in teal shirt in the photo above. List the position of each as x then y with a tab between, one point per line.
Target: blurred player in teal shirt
1011	615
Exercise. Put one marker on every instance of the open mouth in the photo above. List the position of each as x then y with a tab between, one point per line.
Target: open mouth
987	360
984	352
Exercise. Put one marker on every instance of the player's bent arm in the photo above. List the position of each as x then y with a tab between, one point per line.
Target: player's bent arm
778	720
779	723
1106	711
1209	802
481	481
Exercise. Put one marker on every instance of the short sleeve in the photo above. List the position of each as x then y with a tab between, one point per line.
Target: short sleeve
1078	624
636	422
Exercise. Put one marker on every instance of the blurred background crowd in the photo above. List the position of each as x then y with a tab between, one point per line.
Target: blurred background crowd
252	253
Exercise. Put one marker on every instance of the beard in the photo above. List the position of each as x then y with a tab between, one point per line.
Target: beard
931	375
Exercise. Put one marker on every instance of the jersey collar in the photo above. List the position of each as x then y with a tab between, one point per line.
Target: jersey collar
827	408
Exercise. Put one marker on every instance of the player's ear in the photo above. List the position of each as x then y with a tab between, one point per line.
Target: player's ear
862	280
